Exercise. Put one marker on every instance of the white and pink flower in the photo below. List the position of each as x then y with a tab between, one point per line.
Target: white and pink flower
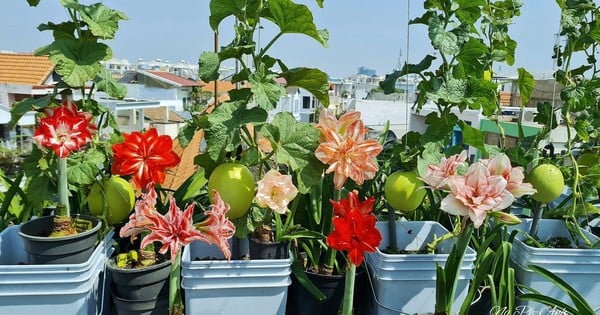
275	191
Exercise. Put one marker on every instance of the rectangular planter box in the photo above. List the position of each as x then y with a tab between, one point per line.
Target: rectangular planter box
79	289
578	267
220	287
405	283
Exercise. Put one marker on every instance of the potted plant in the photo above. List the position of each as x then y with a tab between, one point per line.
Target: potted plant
246	146
66	162
566	181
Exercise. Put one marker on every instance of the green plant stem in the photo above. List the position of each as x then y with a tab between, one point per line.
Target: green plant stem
349	290
175	300
331	253
63	208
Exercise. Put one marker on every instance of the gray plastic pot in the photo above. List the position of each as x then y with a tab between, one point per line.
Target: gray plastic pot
156	306
74	249
142	283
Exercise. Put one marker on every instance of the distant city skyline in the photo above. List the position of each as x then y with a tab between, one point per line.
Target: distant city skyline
373	35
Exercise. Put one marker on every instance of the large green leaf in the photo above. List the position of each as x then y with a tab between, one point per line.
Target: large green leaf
241	9
389	84
208	69
21	108
314	81
224	123
472	55
295	144
101	20
294	18
473	137
469	11
445	42
266	91
83	171
105	82
77	61
526	83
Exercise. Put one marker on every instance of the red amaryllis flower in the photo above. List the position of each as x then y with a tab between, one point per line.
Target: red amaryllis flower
354	233
217	228
64	129
354	227
146	156
341	208
173	230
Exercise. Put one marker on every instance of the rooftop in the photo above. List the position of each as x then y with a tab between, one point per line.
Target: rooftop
26	69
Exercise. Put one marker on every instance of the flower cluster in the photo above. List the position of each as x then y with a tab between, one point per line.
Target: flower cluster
176	229
146	156
354	227
487	185
65	129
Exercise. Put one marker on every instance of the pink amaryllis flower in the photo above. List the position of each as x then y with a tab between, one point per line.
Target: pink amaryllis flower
437	175
500	165
146	156
139	220
349	155
174	229
476	193
275	191
217	228
64	129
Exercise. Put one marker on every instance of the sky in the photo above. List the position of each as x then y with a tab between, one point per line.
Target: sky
372	34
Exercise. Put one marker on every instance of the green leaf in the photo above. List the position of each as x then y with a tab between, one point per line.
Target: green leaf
581	127
469	11
191	187
241	9
21	108
294	18
208	69
295	145
472	55
453	91
445	42
101	20
224	123
473	137
526	83
83	171
266	91
105	82
439	127
61	30
389	84
314	81
583	307
33	3
545	115
77	61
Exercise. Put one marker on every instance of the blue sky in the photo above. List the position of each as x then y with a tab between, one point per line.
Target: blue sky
362	33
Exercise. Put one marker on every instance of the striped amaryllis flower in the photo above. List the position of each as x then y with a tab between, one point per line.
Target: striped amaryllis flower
64	129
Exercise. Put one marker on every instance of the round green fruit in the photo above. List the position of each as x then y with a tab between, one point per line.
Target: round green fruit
403	191
586	161
549	182
235	185
118	196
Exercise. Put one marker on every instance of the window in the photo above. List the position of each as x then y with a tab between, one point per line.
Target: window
306	102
